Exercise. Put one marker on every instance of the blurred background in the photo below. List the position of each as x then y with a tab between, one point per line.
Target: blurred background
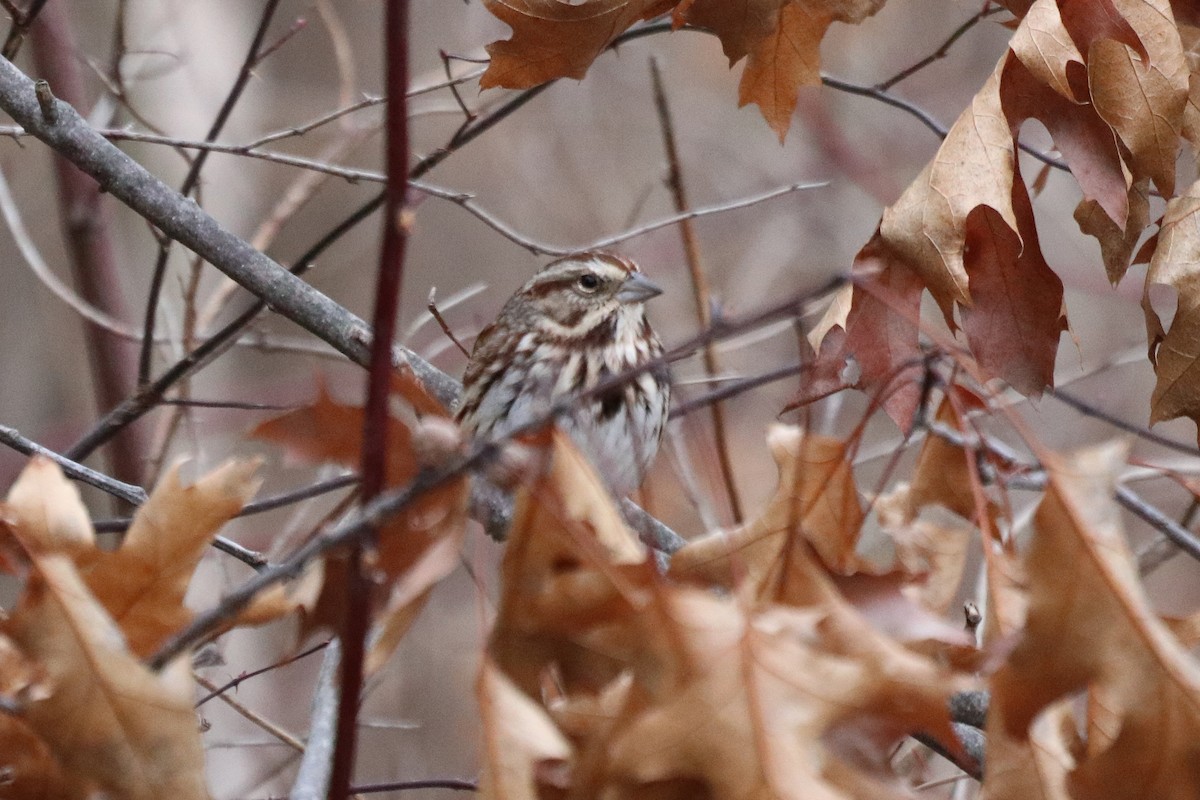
581	161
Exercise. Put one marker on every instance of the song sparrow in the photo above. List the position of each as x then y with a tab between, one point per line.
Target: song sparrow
576	322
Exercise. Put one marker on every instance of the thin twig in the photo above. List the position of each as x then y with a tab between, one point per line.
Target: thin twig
192	178
1096	413
450	784
254	717
21	23
1034	478
135	495
216	691
467	202
256	507
432	308
700	290
924	116
943	50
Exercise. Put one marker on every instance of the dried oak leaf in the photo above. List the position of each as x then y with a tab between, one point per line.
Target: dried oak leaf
29	769
556	38
784	702
1175	352
1017	317
414	549
143	583
47	510
883	327
1091	627
801	551
111	723
1032	768
785	55
781	38
521	745
816	500
1141	89
1117	243
926	226
571	570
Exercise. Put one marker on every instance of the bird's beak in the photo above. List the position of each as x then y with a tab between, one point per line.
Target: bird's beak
637	288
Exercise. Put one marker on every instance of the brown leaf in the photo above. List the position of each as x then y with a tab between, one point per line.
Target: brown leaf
1117	243
111	723
556	38
783	703
29	770
414	549
882	329
28	767
570	566
925	227
740	26
142	585
1141	91
519	740
1016	319
1091	627
942	474
1086	142
1034	768
784	60
1044	46
1177	390
48	510
815	499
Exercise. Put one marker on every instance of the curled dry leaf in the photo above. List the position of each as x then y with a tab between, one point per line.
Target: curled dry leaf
882	330
681	691
111	723
29	769
780	703
1091	628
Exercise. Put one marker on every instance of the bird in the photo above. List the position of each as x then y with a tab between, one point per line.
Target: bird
578	322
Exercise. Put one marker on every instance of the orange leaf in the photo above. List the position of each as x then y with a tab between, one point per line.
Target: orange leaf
556	38
142	585
783	61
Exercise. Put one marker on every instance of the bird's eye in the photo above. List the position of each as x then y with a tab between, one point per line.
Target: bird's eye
588	282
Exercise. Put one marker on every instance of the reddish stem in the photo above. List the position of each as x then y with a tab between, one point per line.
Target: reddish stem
375	426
